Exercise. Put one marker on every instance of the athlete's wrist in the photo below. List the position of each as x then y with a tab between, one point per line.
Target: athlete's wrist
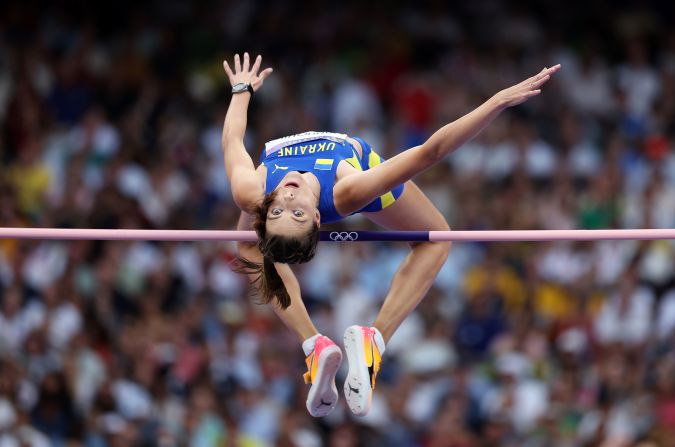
241	88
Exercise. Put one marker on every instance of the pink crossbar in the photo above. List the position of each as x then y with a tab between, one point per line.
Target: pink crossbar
552	235
248	236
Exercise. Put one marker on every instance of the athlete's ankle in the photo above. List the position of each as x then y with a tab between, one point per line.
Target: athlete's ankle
379	340
308	344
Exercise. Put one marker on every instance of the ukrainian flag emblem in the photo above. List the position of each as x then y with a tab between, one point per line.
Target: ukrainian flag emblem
323	164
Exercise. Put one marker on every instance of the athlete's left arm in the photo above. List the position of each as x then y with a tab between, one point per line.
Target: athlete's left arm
294	316
355	191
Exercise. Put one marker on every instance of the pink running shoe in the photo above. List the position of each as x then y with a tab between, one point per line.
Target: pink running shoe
364	362
322	365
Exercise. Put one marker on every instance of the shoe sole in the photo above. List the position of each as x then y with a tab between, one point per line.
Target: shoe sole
357	389
323	395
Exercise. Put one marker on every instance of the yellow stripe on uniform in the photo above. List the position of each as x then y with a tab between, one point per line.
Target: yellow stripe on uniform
354	161
387	198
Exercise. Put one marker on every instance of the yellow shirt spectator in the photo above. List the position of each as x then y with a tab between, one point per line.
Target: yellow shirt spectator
30	181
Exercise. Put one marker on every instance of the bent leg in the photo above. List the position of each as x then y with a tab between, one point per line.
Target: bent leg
412	211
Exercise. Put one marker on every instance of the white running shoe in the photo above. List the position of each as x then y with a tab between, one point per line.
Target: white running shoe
364	362
322	365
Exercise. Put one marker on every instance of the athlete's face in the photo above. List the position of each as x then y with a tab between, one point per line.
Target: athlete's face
293	211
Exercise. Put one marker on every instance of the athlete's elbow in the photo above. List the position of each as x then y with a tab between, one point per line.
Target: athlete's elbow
433	152
350	195
244	202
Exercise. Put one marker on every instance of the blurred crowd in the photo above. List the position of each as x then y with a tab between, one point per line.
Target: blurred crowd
110	117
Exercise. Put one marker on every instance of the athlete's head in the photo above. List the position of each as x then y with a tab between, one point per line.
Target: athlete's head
287	224
291	210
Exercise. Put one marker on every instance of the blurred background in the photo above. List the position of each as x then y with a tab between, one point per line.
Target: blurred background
111	115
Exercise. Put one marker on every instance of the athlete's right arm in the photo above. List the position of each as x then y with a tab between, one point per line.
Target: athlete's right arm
246	188
355	191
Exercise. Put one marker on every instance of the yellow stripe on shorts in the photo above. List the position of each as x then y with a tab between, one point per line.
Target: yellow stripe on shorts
387	198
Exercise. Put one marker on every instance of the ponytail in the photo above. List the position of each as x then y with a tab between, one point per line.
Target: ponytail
268	283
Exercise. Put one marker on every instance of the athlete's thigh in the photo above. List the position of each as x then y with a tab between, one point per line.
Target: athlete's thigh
411	211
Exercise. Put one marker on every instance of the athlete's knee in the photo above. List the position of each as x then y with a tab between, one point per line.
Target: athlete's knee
442	250
441	225
434	253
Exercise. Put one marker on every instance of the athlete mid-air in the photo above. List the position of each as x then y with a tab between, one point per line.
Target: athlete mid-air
315	178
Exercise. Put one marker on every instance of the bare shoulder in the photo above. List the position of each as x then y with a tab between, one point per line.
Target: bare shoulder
261	173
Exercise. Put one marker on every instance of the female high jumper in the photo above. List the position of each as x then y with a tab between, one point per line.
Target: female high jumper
312	178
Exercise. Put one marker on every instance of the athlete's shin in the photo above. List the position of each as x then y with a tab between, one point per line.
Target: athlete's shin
410	284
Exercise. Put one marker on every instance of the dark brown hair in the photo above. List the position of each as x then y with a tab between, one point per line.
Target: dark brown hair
276	248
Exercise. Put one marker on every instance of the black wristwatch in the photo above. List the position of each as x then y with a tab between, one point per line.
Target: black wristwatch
241	87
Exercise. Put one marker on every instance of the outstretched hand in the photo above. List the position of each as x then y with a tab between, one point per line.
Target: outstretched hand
523	91
246	73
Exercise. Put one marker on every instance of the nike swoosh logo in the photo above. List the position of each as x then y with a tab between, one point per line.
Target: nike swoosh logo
371	367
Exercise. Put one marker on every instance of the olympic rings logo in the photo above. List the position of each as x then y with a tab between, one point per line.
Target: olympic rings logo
343	236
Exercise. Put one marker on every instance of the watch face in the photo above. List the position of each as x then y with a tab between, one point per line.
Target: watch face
239	87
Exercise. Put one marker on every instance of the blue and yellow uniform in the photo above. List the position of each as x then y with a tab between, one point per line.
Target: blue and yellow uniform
320	153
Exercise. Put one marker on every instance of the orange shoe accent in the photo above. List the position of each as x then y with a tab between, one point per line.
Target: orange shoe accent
373	357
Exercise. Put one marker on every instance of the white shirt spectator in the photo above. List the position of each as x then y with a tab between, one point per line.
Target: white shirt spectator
500	161
64	322
216	179
530	403
658	262
45	264
610	259
529	399
470	159
588	88
132	400
540	159
641	85
187	263
631	325
584	160
15	328
560	263
658	210
619	426
223	281
143	258
665	318
91	374
355	103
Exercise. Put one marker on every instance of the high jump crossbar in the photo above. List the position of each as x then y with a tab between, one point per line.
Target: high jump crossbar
339	236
